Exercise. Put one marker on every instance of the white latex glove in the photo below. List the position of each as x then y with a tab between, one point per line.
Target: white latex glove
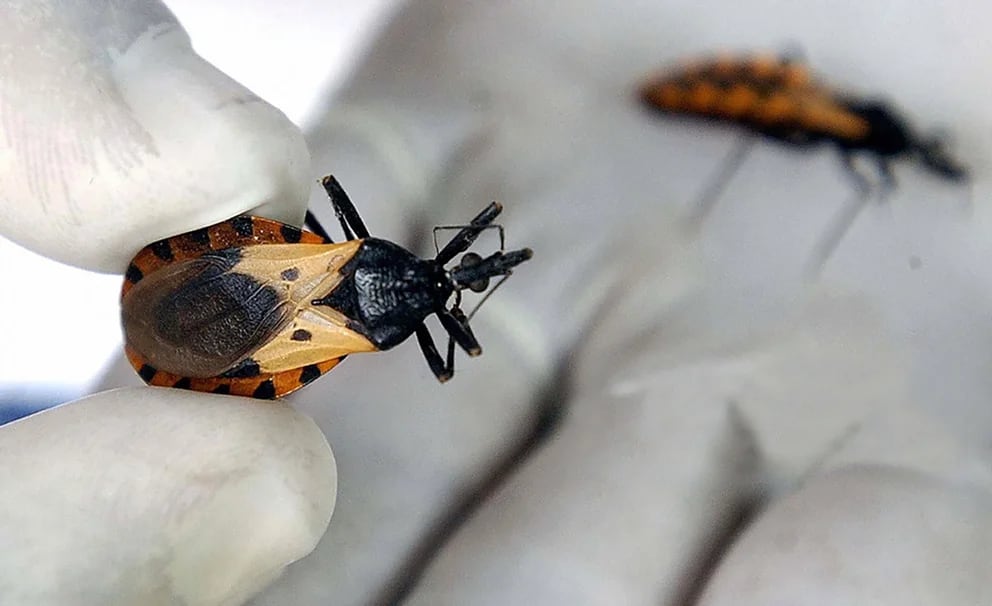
115	134
699	379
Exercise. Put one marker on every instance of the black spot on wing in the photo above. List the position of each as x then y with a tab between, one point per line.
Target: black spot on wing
243	226
147	372
133	274
290	274
244	369
162	249
291	234
200	236
265	391
309	373
301	335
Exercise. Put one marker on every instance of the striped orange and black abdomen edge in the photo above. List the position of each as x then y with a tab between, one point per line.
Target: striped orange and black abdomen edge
237	232
266	386
775	98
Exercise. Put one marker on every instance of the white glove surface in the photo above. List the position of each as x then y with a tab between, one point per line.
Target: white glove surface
114	134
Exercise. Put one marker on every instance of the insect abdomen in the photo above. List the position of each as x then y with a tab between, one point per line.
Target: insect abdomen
771	96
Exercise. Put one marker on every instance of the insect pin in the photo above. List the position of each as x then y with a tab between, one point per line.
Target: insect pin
777	98
254	307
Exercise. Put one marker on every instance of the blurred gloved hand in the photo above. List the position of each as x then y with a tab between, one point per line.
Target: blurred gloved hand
697	379
115	134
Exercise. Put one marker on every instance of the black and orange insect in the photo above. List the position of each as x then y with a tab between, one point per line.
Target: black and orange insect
254	307
778	98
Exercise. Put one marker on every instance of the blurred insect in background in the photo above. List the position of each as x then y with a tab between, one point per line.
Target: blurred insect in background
254	307
777	98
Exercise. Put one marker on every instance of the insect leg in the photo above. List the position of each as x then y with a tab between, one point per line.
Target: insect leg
450	361
351	222
887	181
842	222
861	183
312	223
702	206
464	238
453	322
441	370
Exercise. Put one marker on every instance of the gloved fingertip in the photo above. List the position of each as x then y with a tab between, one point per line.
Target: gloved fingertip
193	498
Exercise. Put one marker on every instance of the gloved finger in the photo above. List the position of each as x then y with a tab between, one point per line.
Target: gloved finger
125	135
638	492
864	534
903	434
880	501
142	496
624	505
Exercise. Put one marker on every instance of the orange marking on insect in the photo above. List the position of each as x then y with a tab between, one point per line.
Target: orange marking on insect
738	101
765	67
826	116
775	109
193	244
760	90
670	96
795	76
283	383
726	65
704	97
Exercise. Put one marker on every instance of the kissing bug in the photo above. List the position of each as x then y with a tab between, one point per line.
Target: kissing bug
254	307
777	98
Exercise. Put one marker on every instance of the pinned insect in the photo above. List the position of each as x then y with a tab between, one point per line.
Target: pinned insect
254	307
778	98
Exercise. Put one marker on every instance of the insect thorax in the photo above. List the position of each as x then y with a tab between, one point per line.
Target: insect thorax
387	292
888	135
